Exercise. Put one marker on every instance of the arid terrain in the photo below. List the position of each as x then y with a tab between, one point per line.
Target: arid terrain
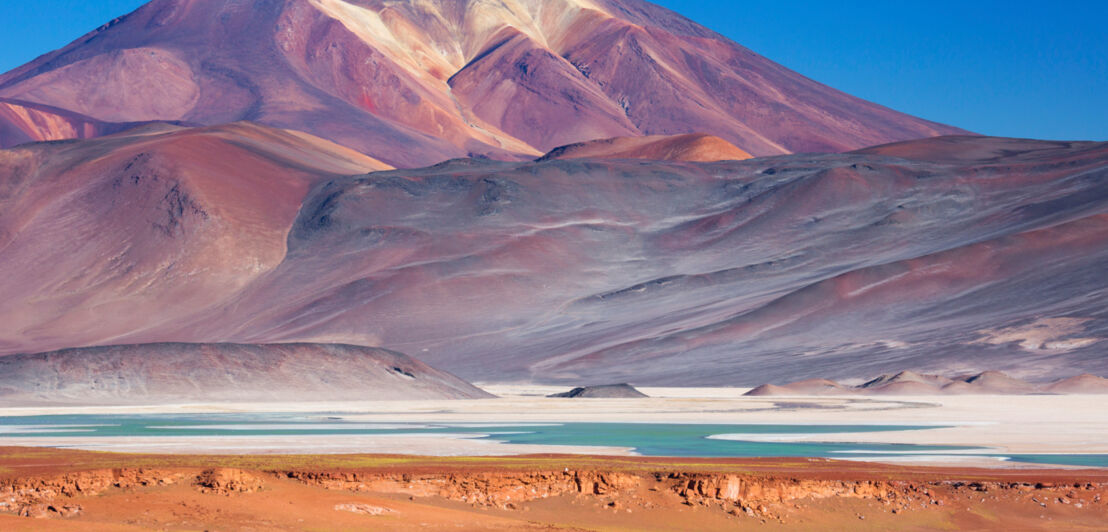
360	492
520	265
373	173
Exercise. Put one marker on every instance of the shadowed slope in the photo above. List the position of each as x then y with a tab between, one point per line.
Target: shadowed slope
154	373
413	83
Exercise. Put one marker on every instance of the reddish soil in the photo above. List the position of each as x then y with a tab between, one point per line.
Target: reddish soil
42	489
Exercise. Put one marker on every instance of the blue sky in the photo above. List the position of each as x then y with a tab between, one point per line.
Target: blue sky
1009	68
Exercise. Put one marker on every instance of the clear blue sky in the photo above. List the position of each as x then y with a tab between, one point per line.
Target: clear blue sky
1011	68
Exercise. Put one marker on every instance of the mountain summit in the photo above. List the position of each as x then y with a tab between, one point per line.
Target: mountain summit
414	82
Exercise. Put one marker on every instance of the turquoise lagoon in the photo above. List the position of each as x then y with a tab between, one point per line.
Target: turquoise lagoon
647	439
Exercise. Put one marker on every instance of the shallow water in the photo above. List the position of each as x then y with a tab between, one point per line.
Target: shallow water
648	439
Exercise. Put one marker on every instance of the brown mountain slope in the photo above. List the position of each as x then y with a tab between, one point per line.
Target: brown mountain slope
416	82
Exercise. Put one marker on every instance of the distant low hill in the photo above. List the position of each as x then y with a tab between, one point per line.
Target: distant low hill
162	373
606	391
911	383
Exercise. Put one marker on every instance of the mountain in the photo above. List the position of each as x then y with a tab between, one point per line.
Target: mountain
948	255
413	83
161	373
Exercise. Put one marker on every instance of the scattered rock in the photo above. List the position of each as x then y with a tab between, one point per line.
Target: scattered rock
35	511
225	481
362	509
66	511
